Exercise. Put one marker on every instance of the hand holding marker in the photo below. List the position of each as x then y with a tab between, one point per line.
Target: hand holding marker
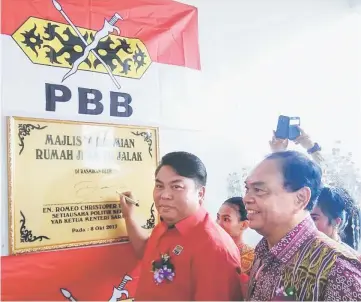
129	200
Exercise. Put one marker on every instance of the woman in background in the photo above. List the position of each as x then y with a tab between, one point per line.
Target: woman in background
337	215
232	217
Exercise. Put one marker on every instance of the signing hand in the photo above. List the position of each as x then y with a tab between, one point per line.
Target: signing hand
126	207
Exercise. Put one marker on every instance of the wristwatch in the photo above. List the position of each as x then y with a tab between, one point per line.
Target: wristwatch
316	147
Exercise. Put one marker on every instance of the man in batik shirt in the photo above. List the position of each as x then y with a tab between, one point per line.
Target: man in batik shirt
294	261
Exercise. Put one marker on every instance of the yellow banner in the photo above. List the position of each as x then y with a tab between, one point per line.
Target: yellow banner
63	178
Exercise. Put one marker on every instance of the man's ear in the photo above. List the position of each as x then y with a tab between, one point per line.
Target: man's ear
337	221
303	197
201	194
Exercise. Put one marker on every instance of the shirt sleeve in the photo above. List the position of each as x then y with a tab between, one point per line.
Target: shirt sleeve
216	275
344	281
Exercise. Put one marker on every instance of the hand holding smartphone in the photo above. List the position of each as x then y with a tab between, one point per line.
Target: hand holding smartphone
287	127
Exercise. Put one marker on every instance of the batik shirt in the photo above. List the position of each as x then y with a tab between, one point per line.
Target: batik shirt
305	265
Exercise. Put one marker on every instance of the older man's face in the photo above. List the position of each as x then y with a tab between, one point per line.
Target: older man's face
268	203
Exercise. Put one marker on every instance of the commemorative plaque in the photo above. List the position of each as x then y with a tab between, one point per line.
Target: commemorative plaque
64	177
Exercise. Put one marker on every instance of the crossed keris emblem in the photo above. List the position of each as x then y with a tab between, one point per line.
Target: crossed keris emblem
107	29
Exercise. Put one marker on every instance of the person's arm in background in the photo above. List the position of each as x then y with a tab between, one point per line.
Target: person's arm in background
311	147
330	173
137	235
304	140
278	144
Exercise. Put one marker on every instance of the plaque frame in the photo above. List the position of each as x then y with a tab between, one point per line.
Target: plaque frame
31	124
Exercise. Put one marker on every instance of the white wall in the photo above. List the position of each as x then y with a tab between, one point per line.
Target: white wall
264	58
259	59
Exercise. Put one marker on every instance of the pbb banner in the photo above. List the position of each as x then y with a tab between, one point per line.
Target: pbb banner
119	50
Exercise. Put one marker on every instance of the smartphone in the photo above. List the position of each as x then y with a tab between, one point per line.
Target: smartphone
283	127
287	127
294	131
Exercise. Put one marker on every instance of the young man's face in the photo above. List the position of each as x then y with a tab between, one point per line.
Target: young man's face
176	197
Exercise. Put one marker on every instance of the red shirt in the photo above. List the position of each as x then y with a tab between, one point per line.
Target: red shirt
207	268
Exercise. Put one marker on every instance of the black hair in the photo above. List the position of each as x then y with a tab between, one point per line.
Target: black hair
336	202
185	164
239	204
298	172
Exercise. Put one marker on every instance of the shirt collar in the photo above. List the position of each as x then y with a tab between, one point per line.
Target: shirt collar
187	224
287	247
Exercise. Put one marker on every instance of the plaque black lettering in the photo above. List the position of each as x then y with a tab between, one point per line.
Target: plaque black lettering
73	220
64	140
120	100
54	154
56	221
56	93
124	143
47	210
101	212
77	230
97	218
87	97
130	156
73	214
66	208
79	156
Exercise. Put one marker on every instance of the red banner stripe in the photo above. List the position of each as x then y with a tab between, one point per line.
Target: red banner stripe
90	274
169	29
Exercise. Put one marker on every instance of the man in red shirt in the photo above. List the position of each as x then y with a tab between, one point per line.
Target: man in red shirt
187	256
